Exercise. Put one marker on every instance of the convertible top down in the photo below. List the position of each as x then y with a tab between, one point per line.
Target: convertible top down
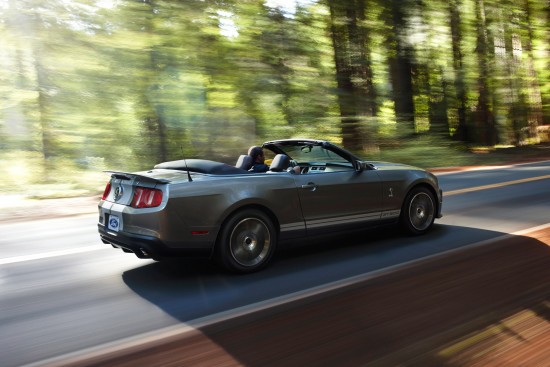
198	207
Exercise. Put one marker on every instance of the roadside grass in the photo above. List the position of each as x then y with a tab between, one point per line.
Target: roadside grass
26	178
433	156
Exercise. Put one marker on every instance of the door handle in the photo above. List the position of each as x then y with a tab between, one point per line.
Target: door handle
310	186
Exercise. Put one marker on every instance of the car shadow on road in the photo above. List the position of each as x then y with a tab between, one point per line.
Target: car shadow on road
191	288
445	312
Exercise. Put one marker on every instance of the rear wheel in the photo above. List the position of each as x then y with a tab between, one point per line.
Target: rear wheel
418	212
247	241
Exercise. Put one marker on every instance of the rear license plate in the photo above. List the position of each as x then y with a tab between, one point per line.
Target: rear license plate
114	223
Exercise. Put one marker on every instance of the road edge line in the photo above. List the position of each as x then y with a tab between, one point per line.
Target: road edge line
50	254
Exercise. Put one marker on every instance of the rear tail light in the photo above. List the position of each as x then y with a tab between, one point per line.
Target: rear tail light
145	197
107	191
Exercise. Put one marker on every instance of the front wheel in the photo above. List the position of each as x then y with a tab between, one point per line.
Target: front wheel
247	241
418	212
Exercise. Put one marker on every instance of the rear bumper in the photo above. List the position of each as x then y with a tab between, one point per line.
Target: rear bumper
147	247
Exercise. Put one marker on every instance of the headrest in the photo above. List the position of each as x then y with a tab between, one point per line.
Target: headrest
280	163
244	162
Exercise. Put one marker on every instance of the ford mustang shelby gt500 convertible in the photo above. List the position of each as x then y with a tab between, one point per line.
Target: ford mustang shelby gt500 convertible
201	207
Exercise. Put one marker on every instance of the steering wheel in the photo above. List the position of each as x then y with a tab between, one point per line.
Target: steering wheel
292	167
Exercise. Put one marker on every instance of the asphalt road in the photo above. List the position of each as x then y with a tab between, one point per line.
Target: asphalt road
62	291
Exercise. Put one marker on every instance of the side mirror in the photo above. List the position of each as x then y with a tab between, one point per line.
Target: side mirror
359	166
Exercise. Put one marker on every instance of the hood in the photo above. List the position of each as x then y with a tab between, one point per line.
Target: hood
393	166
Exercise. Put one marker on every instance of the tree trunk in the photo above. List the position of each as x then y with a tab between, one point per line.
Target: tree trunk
401	65
458	65
356	95
536	113
485	132
154	125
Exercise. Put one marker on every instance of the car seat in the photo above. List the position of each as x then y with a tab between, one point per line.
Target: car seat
244	162
280	163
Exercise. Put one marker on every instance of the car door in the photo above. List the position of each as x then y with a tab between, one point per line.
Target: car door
333	201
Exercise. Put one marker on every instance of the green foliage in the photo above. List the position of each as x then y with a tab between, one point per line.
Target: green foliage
92	85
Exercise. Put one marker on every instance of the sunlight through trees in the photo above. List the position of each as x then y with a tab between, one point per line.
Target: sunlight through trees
90	85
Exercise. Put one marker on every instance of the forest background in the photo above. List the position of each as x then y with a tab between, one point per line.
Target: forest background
87	86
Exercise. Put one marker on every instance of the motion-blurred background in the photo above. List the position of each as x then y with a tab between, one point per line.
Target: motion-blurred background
91	85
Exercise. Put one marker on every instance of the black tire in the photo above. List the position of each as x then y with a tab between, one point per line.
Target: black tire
418	212
246	242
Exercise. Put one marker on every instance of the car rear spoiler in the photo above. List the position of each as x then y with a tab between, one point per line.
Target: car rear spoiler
138	177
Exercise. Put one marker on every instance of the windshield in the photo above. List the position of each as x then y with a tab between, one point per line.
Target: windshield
312	153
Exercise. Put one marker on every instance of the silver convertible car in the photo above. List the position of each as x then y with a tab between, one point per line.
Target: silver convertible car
198	207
